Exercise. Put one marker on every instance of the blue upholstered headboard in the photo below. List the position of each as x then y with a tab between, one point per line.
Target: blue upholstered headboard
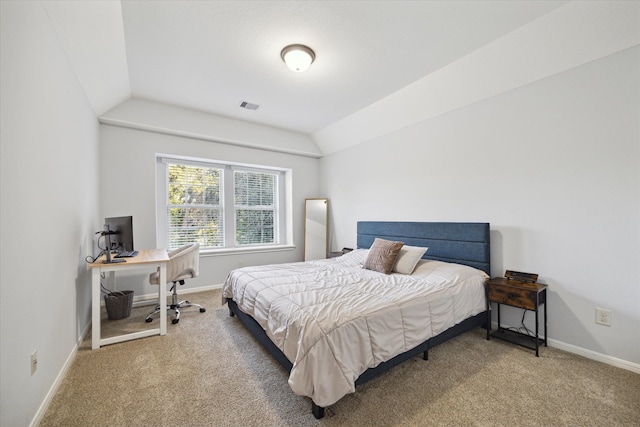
459	242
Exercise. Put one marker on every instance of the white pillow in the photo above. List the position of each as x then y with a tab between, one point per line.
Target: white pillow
408	258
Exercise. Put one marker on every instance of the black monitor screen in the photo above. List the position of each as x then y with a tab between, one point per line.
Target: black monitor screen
122	240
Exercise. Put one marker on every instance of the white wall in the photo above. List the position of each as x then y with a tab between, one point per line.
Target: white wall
128	187
162	118
574	34
554	166
48	209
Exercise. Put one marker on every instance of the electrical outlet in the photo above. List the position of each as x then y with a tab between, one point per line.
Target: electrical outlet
241	263
603	316
34	362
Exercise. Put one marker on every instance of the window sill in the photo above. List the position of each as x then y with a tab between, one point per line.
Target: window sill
250	250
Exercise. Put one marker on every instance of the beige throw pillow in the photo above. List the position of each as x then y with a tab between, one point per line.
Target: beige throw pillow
407	259
382	255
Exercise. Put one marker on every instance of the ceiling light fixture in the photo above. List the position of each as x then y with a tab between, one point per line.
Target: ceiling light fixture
298	57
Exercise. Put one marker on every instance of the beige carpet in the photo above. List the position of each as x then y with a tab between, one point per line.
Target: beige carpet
209	371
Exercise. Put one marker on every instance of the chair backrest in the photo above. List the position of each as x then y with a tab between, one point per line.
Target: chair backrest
183	262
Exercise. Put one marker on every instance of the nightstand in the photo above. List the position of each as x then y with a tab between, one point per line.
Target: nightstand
339	253
515	293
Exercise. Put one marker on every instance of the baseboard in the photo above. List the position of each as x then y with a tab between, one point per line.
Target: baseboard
37	419
599	357
589	354
151	299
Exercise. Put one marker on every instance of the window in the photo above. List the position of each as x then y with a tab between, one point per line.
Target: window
256	207
223	206
194	207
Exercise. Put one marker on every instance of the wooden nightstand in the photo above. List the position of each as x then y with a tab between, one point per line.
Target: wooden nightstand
527	295
340	253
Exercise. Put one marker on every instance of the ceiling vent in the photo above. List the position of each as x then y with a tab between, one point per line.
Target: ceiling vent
248	105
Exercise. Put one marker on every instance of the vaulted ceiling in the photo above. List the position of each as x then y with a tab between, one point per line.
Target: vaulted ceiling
210	56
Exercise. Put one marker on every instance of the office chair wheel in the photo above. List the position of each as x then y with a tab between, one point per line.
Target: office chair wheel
174	321
202	309
148	319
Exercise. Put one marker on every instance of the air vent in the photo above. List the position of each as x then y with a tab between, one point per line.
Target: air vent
248	105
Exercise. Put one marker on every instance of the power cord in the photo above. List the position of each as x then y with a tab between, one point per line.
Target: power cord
106	290
90	260
523	328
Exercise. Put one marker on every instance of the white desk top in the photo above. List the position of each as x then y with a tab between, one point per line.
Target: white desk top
145	256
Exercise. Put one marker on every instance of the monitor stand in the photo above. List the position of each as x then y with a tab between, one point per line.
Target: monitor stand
109	259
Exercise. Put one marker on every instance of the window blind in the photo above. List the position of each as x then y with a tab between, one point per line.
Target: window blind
195	205
256	207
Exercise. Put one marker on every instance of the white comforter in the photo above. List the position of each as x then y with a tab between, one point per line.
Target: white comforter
334	320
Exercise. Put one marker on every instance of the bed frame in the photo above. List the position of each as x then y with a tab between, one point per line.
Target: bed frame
462	243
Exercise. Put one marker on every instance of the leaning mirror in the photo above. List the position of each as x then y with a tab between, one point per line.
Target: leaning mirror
315	228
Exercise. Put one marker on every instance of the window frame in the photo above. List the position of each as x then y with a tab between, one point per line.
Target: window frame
283	237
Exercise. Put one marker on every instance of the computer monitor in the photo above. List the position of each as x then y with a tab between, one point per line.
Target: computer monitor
122	239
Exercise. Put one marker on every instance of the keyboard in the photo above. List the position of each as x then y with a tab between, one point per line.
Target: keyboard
127	254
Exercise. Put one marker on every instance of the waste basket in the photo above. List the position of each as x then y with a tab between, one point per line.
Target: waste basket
118	304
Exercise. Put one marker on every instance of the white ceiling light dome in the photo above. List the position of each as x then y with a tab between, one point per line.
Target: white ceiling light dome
298	57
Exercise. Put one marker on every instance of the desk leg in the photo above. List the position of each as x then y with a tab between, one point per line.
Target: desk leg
95	308
111	284
163	298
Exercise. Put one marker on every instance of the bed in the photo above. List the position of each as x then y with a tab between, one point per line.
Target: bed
335	325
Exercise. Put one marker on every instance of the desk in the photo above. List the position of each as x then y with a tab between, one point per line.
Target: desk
148	258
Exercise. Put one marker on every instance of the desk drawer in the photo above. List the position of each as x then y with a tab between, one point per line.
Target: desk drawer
511	296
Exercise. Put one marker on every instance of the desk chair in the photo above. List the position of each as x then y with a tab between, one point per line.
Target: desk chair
183	264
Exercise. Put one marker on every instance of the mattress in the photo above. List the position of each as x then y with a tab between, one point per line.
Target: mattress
333	319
